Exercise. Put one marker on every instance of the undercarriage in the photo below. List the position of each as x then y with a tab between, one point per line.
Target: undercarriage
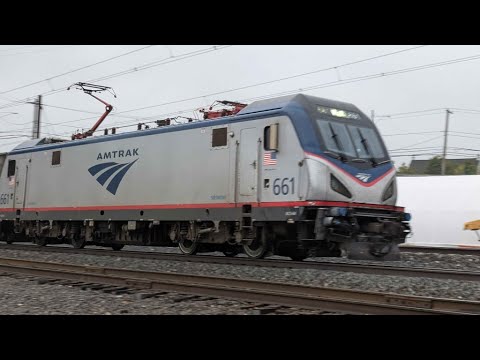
363	234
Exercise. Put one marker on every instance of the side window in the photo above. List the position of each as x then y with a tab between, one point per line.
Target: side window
56	157
219	137
11	168
270	137
266	138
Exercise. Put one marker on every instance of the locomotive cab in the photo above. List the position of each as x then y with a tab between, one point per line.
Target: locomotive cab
350	183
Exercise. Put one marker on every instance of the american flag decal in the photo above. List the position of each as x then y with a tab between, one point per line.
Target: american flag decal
270	158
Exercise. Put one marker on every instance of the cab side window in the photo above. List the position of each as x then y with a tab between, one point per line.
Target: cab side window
11	168
219	137
56	156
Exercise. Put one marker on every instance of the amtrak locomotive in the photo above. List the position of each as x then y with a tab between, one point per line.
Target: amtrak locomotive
297	176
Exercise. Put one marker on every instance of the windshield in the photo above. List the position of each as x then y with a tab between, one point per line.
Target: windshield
351	140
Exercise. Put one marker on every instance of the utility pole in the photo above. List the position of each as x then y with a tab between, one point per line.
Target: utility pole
444	159
36	118
372	115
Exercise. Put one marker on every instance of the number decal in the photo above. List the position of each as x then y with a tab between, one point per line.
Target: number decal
284	186
276	187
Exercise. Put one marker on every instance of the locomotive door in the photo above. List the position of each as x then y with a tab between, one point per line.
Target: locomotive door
21	177
247	166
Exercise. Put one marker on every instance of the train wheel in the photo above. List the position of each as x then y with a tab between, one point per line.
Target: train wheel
79	243
187	247
117	247
9	238
258	248
231	252
41	240
298	257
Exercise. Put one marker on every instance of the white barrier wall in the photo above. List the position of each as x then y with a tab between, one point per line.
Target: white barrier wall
440	206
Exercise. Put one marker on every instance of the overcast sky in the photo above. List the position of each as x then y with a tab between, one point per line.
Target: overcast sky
155	75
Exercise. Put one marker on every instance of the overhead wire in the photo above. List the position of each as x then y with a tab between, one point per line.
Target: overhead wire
355	79
136	69
78	69
324	85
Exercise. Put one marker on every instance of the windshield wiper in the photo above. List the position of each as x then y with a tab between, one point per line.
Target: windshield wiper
383	162
334	137
359	160
366	147
339	145
336	156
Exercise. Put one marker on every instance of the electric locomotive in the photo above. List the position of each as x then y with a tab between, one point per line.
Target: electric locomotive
297	176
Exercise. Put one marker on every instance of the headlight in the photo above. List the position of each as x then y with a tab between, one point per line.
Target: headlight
389	191
338	187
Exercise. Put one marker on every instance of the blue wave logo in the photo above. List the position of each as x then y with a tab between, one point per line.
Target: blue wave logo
114	170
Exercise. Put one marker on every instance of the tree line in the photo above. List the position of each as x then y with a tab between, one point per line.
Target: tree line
434	167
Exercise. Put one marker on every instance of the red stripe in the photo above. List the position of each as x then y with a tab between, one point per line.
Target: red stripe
217	205
350	175
330	203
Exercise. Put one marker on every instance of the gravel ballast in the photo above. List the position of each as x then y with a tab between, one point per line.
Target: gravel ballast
21	295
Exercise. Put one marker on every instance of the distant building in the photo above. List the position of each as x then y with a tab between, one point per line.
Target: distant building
419	167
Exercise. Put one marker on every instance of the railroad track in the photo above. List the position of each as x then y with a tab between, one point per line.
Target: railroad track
325	299
165	297
374	269
440	250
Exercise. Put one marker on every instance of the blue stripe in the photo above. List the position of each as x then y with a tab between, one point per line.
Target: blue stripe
304	127
95	169
113	186
140	133
106	175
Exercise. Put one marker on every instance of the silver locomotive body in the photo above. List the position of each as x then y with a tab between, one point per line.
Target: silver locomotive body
297	176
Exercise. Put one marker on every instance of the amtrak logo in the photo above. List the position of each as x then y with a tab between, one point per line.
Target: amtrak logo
363	177
114	170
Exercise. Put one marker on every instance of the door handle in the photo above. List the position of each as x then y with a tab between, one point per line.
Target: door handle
254	164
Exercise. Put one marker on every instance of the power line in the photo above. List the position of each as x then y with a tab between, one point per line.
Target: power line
410	112
460	132
78	69
36	51
136	69
324	85
439	154
370	77
467	113
18	48
464	136
161	62
88	112
150	65
421	142
430	148
466	110
412	133
258	84
409	116
308	73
